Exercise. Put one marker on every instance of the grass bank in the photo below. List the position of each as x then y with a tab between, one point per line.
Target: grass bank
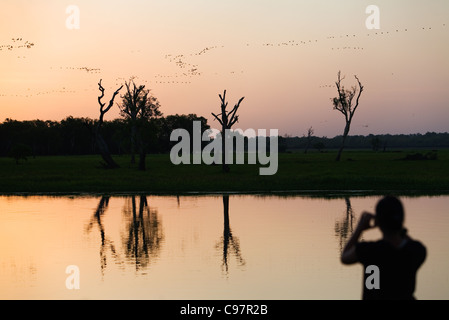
297	172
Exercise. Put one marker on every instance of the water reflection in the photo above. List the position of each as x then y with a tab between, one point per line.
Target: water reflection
187	247
345	226
106	243
144	234
228	243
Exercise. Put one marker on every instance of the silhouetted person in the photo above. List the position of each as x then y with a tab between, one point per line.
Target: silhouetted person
397	256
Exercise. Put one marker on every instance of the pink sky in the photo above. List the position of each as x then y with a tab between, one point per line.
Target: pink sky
283	56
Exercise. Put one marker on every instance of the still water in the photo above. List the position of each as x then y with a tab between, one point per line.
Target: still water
201	247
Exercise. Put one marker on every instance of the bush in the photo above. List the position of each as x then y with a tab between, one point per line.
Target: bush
20	151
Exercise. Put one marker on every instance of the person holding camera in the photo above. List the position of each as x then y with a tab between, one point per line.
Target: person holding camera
396	256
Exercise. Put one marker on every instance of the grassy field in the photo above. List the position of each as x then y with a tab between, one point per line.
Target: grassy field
365	171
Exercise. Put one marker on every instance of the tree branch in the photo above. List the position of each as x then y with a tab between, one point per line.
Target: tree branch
358	96
100	87
233	113
111	102
216	117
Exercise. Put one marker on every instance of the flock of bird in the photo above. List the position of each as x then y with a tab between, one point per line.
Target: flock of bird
87	69
182	60
10	47
189	64
17	44
28	94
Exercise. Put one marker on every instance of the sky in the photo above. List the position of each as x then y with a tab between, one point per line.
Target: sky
283	56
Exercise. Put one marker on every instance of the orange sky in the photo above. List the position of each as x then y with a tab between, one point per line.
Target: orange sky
283	56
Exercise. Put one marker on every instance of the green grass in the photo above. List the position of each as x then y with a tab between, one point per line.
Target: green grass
297	172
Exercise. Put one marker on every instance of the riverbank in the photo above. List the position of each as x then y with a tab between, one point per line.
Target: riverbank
363	171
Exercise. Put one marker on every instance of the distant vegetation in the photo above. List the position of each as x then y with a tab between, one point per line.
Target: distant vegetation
74	136
381	142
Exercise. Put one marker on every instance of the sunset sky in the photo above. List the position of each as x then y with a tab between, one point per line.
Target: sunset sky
283	56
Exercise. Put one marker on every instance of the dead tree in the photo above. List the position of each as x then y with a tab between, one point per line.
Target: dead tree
228	119
138	107
130	109
309	139
101	144
344	104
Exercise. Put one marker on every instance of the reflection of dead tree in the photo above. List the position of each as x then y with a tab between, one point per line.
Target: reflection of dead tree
228	242
145	234
345	227
105	242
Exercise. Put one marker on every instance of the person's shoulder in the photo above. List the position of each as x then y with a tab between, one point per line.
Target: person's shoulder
364	245
415	243
373	243
417	247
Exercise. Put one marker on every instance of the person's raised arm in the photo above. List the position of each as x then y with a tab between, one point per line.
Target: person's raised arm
348	256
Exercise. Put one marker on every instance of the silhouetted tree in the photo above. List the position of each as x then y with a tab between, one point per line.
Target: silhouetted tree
375	143
319	146
101	144
344	103
139	107
309	139
20	151
172	122
227	120
76	134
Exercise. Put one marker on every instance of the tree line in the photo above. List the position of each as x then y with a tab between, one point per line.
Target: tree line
142	129
378	142
75	136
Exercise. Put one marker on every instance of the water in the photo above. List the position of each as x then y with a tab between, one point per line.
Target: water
201	247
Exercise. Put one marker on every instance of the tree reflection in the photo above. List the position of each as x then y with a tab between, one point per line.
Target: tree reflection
345	226
106	243
143	233
145	236
228	243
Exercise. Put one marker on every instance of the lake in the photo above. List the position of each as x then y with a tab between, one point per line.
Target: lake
201	246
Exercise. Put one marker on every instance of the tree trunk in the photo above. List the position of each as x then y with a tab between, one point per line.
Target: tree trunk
345	134
223	151
133	143
104	152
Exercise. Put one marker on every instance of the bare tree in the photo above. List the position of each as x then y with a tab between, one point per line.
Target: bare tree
227	120
344	104
138	107
102	146
309	139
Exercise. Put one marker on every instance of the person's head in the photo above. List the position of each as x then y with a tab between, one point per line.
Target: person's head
390	215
